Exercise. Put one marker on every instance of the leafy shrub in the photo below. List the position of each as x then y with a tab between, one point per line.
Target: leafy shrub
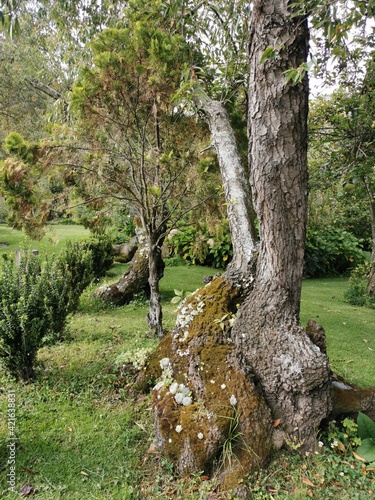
331	252
28	313
102	254
37	297
356	294
84	261
197	246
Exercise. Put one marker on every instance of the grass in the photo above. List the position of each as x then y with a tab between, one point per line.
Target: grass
54	240
350	330
82	433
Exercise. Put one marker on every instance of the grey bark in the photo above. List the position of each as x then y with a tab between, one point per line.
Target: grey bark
237	190
293	372
155	315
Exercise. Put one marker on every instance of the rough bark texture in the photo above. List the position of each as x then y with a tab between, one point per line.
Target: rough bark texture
292	371
155	315
237	191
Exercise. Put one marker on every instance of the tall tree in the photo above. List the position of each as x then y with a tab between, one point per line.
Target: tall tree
293	373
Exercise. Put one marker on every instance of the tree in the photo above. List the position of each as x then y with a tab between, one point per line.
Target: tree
343	126
257	366
132	136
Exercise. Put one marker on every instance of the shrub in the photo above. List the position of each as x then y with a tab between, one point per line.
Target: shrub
331	252
102	254
28	313
197	246
37	296
82	262
356	294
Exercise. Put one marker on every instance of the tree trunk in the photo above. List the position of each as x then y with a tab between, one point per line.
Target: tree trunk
134	280
292	371
237	191
155	315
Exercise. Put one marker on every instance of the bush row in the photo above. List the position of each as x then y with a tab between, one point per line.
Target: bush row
329	252
37	296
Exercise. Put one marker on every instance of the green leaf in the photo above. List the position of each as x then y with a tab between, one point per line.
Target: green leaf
269	53
367	450
366	427
175	300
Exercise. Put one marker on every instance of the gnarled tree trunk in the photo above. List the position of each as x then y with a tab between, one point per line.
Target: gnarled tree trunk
292	371
135	279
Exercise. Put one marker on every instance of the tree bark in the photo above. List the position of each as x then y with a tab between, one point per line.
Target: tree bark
155	315
237	190
292	371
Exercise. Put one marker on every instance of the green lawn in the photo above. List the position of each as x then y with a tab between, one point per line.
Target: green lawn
54	240
350	330
83	434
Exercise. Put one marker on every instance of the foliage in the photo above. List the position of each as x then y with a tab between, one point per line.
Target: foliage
84	261
197	246
330	252
356	294
366	432
33	305
37	297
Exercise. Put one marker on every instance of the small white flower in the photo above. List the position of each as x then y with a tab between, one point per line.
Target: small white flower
320	444
233	400
307	453
178	398
184	390
212	381
200	436
342	474
223	386
186	401
178	428
173	388
164	363
334	444
169	440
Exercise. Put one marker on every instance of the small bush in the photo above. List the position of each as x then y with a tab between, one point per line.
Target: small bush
356	294
83	262
331	252
28	313
37	297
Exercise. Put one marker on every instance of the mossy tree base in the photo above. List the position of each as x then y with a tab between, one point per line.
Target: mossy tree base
209	414
223	427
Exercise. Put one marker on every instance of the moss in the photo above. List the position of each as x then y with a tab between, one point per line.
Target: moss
203	359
